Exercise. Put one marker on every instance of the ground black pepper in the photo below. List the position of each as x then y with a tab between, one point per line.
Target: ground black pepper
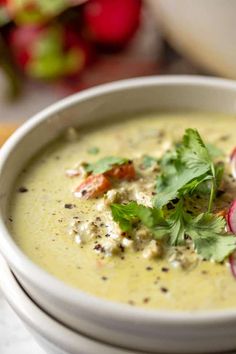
164	269
163	289
149	268
22	190
69	206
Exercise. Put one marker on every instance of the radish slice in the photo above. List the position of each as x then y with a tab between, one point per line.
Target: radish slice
233	162
231	217
232	262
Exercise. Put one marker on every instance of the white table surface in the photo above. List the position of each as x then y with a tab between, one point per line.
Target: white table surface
14	338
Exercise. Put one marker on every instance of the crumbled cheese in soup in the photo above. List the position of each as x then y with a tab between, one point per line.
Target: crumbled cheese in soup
74	236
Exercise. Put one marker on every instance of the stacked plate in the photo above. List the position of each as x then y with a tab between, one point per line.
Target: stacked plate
111	325
51	335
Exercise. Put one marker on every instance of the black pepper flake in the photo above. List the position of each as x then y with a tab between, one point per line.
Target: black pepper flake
84	192
149	268
170	206
10	219
122	248
22	190
99	247
69	206
175	201
164	290
164	269
146	300
224	137
220	192
104	278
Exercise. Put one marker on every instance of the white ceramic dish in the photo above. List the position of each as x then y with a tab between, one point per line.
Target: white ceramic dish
50	334
203	30
135	328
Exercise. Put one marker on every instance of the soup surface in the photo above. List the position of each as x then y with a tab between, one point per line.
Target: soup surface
73	235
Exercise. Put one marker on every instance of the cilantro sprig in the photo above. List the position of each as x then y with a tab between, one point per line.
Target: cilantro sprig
186	168
207	231
105	164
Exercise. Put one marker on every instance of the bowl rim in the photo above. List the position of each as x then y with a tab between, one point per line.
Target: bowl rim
78	298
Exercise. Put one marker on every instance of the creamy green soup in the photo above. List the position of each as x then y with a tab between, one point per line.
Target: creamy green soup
74	236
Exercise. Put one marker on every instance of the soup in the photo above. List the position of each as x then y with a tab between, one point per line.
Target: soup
105	211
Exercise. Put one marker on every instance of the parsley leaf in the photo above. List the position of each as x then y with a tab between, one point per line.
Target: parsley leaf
105	164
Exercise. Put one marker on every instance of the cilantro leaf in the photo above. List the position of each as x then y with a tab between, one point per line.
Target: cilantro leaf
148	161
205	230
214	151
127	214
193	152
185	169
214	246
94	150
105	164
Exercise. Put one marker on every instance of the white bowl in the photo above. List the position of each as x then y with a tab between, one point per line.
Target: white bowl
203	30
50	334
119	324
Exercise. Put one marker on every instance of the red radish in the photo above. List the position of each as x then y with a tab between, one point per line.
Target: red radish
233	162
231	217
232	262
114	22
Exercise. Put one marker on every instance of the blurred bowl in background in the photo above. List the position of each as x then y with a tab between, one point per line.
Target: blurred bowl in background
203	30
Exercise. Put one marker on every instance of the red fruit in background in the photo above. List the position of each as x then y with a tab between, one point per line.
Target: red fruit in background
21	39
112	22
48	52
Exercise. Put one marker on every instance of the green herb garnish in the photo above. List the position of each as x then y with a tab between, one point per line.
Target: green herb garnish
94	150
105	164
185	169
205	230
148	161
